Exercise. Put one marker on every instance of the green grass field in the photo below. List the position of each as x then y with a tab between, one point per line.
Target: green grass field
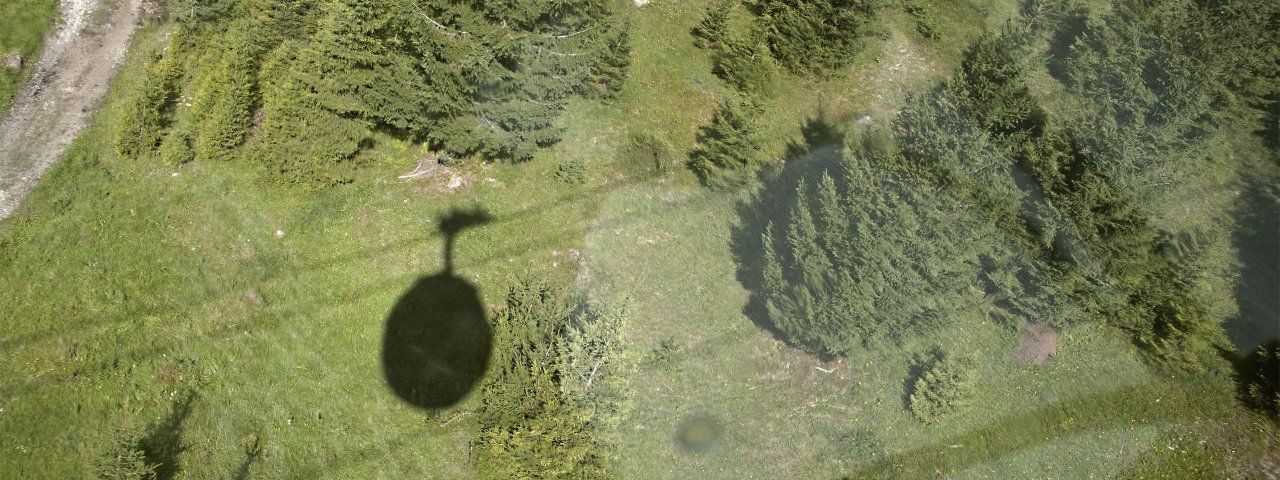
23	24
126	286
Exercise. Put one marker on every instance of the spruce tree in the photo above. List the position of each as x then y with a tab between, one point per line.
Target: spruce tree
814	36
773	280
315	79
945	387
713	27
558	388
744	63
224	110
728	148
992	93
1148	112
832	220
148	109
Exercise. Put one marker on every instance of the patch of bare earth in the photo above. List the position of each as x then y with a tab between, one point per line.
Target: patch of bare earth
76	65
431	174
1038	344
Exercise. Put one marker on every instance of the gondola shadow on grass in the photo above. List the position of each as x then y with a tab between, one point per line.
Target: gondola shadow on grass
438	340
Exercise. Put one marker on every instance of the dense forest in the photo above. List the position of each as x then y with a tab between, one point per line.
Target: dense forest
309	82
782	238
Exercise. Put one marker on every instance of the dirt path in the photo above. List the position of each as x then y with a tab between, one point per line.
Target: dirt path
75	67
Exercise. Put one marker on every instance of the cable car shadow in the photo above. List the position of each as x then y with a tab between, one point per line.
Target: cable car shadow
438	340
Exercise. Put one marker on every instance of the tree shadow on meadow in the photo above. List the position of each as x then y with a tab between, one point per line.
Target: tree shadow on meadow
438	342
1255	332
808	159
1258	291
252	451
163	445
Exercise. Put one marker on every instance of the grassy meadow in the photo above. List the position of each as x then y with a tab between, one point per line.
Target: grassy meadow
240	322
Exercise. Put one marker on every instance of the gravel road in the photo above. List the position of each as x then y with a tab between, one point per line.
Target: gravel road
75	67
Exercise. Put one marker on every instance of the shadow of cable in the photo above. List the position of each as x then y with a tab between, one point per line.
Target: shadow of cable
438	341
9	339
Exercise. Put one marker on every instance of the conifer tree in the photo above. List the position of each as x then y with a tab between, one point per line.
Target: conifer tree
1149	105
534	56
802	238
713	27
813	36
558	387
740	58
832	220
728	148
992	93
610	73
224	110
315	79
744	63
149	109
773	280
946	386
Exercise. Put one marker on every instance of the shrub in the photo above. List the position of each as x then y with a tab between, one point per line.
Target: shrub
713	27
728	149
1259	378
224	110
125	459
926	22
557	389
745	64
467	78
572	171
945	386
177	147
811	36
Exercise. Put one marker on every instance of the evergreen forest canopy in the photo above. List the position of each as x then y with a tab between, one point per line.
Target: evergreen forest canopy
300	86
1038	181
978	202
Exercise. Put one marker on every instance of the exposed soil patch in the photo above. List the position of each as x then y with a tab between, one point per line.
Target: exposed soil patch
75	67
799	369
1038	344
433	175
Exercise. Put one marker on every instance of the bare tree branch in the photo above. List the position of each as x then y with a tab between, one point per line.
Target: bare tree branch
567	35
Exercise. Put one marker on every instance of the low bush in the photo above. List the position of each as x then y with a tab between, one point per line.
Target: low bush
945	386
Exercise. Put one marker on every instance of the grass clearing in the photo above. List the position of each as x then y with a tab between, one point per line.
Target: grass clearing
126	282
